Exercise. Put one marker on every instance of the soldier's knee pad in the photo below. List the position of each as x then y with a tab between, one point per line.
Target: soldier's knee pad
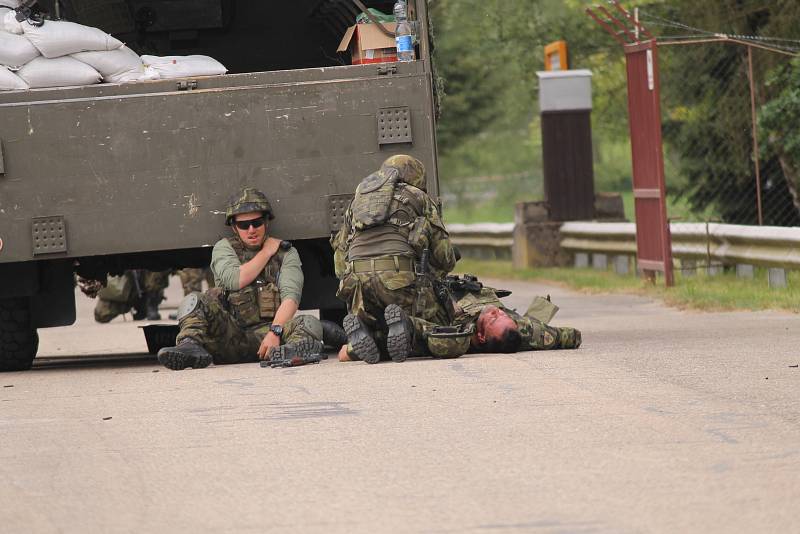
188	305
448	341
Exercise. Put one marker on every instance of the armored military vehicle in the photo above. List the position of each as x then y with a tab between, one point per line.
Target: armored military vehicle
103	178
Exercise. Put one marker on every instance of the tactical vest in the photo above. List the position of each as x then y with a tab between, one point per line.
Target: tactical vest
384	211
472	304
256	303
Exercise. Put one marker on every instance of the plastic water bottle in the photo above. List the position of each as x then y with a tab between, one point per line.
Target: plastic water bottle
403	37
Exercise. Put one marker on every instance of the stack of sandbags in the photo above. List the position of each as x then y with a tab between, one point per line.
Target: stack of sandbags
8	17
15	50
60	54
10	81
169	67
118	66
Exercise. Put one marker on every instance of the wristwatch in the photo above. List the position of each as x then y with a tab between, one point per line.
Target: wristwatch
276	329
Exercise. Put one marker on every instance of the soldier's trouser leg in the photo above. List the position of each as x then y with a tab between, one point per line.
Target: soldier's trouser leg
301	328
192	280
218	332
368	294
105	310
155	280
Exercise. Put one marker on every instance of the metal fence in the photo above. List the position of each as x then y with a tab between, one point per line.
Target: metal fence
694	245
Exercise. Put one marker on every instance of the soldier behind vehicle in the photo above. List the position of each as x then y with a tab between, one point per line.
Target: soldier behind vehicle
138	290
192	282
192	279
483	324
250	315
388	225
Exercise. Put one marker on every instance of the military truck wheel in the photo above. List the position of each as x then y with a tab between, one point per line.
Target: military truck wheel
18	341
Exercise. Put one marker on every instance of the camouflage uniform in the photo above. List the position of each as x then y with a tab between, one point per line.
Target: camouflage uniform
152	284
192	279
219	331
230	324
533	328
387	226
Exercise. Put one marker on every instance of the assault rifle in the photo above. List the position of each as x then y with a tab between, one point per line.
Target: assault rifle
469	283
297	361
422	271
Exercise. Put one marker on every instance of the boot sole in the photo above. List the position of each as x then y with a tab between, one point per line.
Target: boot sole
398	340
362	343
178	361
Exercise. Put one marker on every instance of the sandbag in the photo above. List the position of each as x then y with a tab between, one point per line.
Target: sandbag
58	38
16	50
10	81
9	22
58	72
117	66
184	66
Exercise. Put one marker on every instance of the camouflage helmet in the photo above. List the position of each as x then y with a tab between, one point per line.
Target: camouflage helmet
410	169
449	341
248	200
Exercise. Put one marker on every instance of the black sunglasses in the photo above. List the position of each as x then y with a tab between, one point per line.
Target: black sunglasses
255	223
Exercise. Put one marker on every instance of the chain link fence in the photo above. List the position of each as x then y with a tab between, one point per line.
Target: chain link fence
718	163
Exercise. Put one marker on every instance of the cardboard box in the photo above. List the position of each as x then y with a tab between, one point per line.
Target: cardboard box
368	44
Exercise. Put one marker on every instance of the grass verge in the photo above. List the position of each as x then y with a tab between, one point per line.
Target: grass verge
724	292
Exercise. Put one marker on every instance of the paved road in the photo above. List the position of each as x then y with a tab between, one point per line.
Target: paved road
664	421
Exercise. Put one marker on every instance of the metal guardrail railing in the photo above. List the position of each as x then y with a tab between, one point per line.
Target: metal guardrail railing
722	244
726	244
483	240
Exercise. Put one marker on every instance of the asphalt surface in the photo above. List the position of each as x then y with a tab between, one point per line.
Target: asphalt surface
663	421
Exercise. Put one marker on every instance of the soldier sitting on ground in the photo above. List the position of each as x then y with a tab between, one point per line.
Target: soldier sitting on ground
483	324
139	291
388	225
250	315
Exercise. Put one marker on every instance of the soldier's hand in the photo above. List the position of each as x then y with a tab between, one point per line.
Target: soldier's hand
90	288
269	342
271	245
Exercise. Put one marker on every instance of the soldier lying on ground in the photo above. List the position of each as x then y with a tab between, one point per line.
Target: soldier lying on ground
482	324
390	221
138	290
250	315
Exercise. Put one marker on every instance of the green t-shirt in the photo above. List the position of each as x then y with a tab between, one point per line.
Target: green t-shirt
225	265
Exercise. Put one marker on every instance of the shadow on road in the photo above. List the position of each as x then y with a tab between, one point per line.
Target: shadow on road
102	361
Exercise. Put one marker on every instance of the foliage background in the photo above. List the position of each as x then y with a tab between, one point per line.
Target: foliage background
487	55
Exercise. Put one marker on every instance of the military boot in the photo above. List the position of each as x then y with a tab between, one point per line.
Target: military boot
333	335
401	333
299	349
188	353
360	340
152	300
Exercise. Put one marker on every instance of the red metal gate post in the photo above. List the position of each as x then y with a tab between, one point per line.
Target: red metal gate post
653	240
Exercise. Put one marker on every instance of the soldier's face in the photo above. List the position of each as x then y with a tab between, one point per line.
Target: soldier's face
493	323
253	234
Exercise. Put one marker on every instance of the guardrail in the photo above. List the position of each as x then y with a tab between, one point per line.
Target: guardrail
777	248
724	244
483	240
